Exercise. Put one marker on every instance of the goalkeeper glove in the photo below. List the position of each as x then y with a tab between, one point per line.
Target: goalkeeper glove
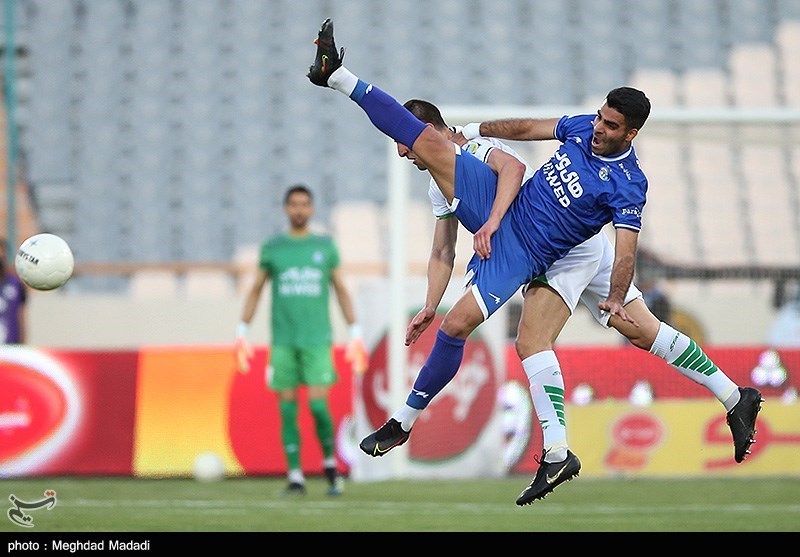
356	353
243	349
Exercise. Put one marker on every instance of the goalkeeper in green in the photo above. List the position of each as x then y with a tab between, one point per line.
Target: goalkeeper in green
303	266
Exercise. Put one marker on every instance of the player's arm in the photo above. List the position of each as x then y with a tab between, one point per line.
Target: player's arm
440	269
621	273
343	296
356	351
244	351
253	295
510	171
516	129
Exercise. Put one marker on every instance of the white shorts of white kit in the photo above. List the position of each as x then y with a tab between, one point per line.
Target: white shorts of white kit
584	275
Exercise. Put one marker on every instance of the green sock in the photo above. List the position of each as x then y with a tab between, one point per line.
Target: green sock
290	434
324	423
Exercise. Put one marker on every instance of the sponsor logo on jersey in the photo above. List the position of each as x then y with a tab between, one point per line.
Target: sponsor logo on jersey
300	281
632	211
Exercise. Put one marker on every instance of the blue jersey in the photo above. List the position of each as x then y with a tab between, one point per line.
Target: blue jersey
576	193
566	202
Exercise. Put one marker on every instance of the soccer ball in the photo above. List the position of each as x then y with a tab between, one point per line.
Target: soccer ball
208	467
44	261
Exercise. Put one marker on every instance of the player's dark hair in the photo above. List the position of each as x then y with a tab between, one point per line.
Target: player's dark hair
297	188
631	103
426	112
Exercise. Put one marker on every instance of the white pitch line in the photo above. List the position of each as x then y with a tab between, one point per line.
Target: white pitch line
389	507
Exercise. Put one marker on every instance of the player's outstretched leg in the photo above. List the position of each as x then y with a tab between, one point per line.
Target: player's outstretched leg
386	114
548	477
327	60
742	421
386	438
742	403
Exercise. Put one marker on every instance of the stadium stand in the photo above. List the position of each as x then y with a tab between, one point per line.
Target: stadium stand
158	132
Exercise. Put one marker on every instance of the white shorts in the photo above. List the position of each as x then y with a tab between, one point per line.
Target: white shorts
584	275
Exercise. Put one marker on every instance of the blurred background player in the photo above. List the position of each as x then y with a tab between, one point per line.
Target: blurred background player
13	297
302	265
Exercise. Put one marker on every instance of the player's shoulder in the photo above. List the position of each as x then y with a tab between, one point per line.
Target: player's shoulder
321	237
322	240
274	240
573	124
480	147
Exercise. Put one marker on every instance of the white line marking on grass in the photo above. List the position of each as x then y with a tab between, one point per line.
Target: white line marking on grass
315	507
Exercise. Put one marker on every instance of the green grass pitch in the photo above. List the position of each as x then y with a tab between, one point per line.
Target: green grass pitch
252	505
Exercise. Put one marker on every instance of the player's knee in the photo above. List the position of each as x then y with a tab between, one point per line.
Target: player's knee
459	326
641	337
528	346
640	342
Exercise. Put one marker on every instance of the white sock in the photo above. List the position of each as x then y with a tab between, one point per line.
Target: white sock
407	416
342	80
685	355
547	393
296	477
329	462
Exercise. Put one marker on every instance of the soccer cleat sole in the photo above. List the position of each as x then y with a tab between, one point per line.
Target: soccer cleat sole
376	451
752	439
545	494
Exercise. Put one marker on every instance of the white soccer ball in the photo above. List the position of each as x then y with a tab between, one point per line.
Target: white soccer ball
209	467
44	261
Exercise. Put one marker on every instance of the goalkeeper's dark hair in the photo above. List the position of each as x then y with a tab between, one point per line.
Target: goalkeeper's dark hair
631	103
426	112
297	188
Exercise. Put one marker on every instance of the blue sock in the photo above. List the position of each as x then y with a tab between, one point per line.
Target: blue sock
439	369
388	115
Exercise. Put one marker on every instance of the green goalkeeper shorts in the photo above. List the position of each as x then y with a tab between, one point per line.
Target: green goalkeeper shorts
290	367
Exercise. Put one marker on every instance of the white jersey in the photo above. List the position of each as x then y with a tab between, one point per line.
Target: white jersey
480	148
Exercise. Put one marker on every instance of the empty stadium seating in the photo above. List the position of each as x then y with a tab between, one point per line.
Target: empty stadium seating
163	131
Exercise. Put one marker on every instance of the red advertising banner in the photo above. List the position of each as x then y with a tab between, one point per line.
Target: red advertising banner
151	412
638	415
66	412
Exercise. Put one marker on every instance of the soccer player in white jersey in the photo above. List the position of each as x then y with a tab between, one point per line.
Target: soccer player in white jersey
584	275
593	179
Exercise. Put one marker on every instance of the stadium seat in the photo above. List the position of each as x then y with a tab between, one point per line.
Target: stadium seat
753	73
704	87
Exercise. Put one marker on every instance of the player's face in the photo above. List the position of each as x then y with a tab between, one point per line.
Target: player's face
407	153
611	136
299	209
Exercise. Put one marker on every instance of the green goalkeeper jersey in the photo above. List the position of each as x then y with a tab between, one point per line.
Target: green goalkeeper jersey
300	269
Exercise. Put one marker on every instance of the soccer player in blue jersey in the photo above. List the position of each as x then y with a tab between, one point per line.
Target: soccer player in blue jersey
593	179
583	274
550	300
